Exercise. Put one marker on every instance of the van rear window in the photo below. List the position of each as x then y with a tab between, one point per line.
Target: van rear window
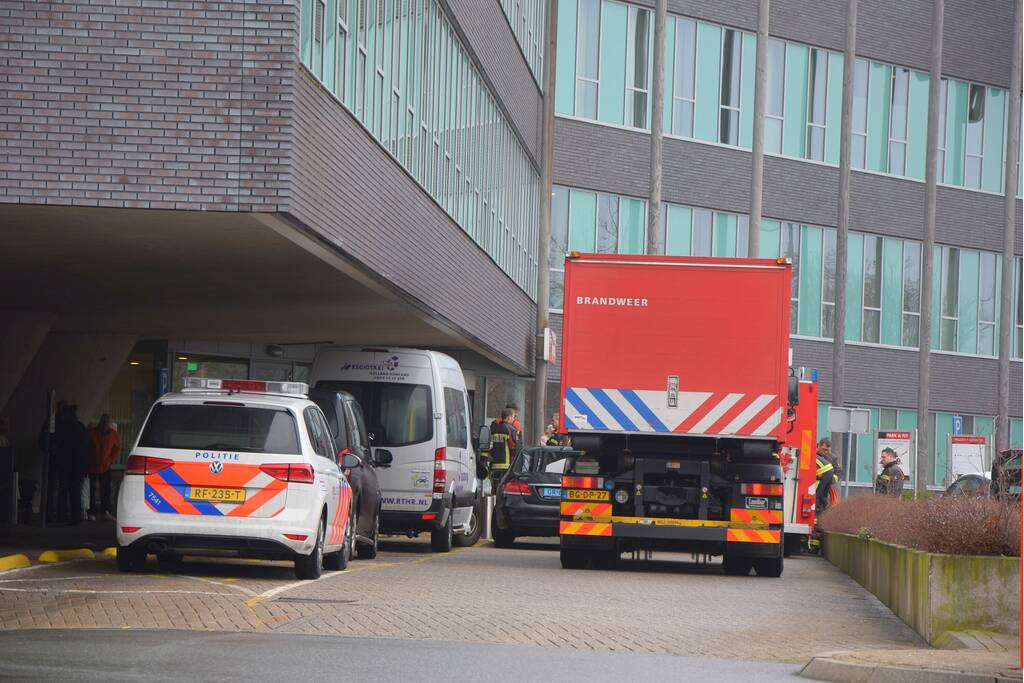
221	428
396	414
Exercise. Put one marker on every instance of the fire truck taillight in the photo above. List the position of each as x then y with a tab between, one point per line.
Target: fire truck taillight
761	489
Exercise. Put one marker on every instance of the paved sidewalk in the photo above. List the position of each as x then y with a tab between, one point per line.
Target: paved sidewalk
916	666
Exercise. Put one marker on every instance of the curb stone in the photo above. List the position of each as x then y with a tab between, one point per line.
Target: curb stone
825	668
65	555
14	562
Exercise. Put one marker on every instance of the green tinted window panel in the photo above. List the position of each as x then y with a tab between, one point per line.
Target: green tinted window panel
330	28
917	124
724	235
582	220
747	90
854	283
306	32
678	230
863	469
565	58
943	429
984	426
794	135
612	74
708	82
834	111
995	130
810	281
1016	433
967	338
823	419
670	71
956	131
770	236
936	295
632	215
906	421
892	292
879	85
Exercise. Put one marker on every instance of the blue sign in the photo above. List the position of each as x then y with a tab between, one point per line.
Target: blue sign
165	383
958	425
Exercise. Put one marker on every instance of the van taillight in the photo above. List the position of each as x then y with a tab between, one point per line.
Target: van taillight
295	473
144	464
439	472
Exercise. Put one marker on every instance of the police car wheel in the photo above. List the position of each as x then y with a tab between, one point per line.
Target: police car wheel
368	551
466	540
308	567
130	559
441	539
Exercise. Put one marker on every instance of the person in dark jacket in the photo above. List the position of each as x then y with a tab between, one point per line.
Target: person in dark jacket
72	453
825	472
504	445
889	481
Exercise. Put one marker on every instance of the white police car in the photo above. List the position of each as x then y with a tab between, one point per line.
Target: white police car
243	466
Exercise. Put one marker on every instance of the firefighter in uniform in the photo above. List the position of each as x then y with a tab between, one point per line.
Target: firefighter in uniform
504	442
889	481
825	473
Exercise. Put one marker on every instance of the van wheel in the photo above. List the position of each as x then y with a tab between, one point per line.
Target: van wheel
441	539
475	527
770	567
337	561
130	559
309	567
368	551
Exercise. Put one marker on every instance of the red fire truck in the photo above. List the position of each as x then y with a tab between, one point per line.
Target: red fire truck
676	388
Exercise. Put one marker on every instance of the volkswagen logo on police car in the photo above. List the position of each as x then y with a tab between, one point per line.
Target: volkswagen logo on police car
216	467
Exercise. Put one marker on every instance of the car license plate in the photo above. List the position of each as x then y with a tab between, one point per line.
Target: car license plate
589	494
216	494
551	492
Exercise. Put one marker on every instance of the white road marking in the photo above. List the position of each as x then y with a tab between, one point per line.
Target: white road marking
100	592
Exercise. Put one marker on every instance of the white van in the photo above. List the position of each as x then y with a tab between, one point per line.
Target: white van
417	410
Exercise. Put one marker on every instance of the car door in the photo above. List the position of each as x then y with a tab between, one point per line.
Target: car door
370	488
328	476
460	455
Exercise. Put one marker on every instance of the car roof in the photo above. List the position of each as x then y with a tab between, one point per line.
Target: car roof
294	401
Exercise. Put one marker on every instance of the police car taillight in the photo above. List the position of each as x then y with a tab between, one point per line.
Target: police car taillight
291	472
257	386
439	471
143	464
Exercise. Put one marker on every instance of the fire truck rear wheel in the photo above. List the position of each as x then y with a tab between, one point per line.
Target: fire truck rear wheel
574	558
737	566
768	566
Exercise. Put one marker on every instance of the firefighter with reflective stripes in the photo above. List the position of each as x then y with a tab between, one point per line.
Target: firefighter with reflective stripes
890	480
825	473
504	445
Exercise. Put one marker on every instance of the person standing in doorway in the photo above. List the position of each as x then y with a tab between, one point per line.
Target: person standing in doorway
889	481
72	462
104	450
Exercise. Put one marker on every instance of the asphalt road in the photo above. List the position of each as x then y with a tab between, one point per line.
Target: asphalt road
143	655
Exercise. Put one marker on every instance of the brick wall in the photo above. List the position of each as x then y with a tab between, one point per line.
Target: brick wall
147	103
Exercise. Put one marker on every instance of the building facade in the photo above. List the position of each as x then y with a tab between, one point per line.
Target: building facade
602	101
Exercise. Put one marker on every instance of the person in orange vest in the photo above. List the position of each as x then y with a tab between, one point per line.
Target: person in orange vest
104	451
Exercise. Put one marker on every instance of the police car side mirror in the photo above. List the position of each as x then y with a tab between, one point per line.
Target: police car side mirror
484	439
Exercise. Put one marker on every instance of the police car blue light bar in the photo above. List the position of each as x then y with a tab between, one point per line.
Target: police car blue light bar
257	386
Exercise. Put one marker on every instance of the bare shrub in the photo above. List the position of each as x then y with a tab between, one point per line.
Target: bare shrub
959	525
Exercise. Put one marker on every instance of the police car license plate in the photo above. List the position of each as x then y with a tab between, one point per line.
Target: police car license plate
216	494
588	494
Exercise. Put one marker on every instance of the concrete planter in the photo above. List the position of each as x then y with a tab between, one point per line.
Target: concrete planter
933	593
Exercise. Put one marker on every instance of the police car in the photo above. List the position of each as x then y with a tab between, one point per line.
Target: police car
239	466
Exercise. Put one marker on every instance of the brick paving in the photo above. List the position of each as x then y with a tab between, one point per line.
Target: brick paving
662	607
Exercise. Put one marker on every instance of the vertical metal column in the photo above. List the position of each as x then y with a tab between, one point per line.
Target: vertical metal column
757	148
1006	311
843	224
924	460
654	239
544	234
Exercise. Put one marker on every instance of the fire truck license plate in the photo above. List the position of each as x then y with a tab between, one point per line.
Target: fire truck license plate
757	503
593	494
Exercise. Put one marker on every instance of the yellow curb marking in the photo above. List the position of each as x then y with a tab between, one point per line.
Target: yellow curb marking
65	555
14	562
109	552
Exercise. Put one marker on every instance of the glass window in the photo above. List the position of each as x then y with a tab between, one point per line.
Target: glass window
607	224
899	92
683	94
732	61
775	104
950	279
702	232
987	304
221	428
911	293
828	283
973	160
319	10
872	288
940	155
637	52
456	422
341	51
397	414
1018	289
789	247
588	51
817	98
858	148
318	435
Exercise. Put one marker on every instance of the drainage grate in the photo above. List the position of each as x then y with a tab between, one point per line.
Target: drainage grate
317	601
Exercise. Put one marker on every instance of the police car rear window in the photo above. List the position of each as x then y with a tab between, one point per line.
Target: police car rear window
242	429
